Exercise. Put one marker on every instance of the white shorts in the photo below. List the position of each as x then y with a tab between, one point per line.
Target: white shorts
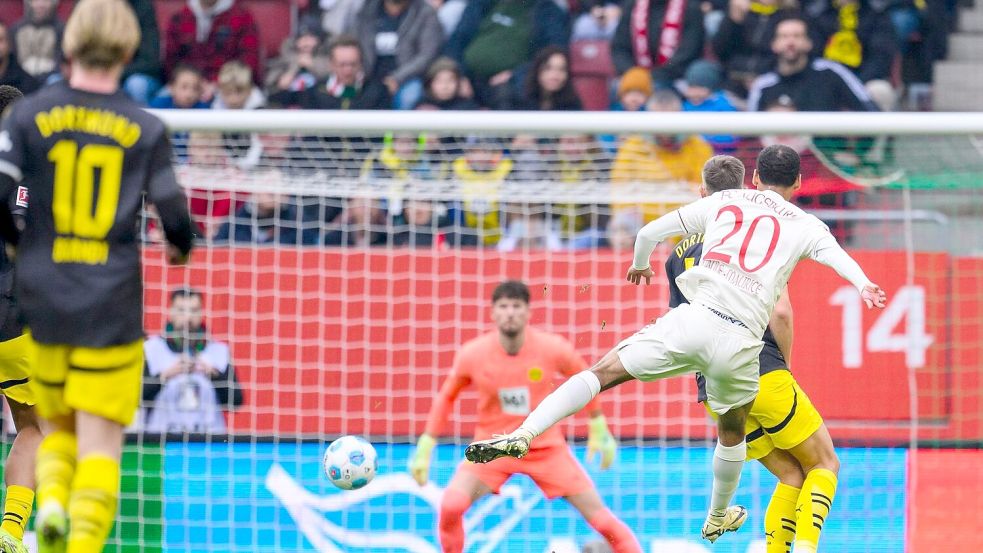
689	339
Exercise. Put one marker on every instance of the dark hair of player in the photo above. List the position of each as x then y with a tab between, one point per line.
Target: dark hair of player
778	165
8	95
723	173
185	293
511	289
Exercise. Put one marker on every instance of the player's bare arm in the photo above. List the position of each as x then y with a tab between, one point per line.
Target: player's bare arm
781	325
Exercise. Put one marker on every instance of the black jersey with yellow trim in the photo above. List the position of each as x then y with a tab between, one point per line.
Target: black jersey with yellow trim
684	256
88	160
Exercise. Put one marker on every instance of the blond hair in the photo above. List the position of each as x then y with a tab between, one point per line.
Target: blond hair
101	34
235	74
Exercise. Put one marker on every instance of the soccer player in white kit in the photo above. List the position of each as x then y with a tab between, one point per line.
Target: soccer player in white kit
754	239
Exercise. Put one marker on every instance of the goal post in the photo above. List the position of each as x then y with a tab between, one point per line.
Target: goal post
345	256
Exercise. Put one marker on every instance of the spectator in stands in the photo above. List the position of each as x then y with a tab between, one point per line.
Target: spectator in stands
189	379
399	39
487	42
209	33
403	158
634	91
267	218
581	162
663	36
36	39
622	228
303	62
347	87
11	73
547	86
480	172
811	84
141	77
743	42
854	34
334	17
184	91
644	164
702	92
420	223
237	91
445	86
362	222
597	20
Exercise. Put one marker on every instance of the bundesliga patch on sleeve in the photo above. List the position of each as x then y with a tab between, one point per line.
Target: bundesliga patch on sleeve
21	196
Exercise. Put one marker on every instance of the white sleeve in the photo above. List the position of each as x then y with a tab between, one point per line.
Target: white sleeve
651	234
828	252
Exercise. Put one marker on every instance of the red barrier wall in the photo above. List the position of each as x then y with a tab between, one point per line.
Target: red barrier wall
348	341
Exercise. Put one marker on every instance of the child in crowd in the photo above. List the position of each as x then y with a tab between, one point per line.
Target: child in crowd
446	88
236	91
702	92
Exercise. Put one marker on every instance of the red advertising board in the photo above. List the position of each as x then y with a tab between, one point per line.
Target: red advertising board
356	341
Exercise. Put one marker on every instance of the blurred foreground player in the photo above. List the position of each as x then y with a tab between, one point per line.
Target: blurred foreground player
785	432
514	368
88	155
15	373
757	237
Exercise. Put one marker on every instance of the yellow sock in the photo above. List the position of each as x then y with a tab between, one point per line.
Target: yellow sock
17	510
55	467
812	508
780	519
92	508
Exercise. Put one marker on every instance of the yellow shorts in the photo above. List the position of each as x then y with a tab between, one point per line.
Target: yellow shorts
782	416
102	381
15	369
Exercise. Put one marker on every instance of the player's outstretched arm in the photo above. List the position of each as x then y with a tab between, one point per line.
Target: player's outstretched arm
829	253
647	239
439	410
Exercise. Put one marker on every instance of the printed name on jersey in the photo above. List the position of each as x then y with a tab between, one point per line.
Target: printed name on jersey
687	243
736	277
760	198
514	401
21	196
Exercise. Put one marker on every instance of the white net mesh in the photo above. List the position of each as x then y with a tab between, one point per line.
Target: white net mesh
344	268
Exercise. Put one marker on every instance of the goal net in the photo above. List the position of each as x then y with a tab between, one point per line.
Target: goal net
345	257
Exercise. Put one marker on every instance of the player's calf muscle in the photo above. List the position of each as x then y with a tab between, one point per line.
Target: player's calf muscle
610	371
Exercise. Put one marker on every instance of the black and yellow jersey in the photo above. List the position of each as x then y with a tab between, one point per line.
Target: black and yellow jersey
87	160
684	256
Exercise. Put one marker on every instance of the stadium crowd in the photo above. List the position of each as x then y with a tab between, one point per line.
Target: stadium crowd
655	55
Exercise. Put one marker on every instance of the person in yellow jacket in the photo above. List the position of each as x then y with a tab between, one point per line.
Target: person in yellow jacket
480	173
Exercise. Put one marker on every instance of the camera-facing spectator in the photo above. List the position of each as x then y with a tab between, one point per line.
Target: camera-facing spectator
446	88
489	38
267	218
420	223
547	86
141	77
362	222
663	36
185	90
743	41
209	33
399	39
480	173
36	39
347	86
189	380
302	63
11	73
237	91
811	84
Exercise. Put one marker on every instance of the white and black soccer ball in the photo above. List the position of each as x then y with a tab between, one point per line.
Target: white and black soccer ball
350	462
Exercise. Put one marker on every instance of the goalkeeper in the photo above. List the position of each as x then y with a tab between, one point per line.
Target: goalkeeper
513	369
785	432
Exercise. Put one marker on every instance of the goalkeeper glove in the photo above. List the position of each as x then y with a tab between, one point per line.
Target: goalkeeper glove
420	462
600	441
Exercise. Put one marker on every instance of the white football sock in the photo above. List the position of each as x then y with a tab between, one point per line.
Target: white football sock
727	464
566	400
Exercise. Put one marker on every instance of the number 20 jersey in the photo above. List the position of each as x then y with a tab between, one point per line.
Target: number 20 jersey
752	241
87	160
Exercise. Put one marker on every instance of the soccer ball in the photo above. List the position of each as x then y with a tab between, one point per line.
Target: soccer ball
350	462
